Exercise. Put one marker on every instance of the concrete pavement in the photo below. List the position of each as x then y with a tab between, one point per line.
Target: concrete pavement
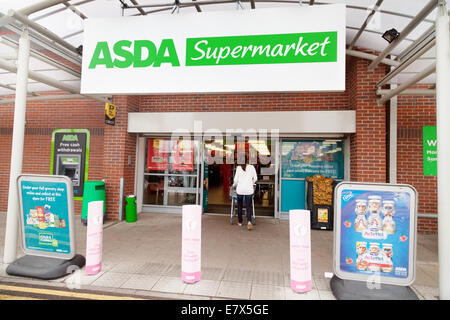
144	258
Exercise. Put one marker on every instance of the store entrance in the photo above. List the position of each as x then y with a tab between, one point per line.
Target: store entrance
220	176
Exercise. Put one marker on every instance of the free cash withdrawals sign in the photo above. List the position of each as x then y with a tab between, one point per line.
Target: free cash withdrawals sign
70	157
277	49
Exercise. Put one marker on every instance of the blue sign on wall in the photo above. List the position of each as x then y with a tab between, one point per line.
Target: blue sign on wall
375	232
46	215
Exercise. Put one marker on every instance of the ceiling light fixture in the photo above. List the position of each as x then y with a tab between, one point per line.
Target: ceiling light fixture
390	35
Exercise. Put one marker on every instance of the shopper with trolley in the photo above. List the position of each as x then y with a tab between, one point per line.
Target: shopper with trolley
244	179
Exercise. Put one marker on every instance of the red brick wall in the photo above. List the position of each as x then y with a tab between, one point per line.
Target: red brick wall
368	145
112	145
414	112
41	118
119	146
244	102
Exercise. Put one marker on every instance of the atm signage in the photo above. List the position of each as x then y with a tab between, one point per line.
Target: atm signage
211	51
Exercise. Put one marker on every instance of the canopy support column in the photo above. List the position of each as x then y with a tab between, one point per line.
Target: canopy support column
393	138
443	146
12	218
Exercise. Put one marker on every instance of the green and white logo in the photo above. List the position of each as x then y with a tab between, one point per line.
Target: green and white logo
215	51
429	151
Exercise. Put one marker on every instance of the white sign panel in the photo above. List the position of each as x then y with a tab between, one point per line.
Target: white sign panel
277	49
94	240
300	250
191	245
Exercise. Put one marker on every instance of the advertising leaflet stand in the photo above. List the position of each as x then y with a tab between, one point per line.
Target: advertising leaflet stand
47	228
374	241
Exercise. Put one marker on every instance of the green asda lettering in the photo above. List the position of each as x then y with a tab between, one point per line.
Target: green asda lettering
143	54
213	51
70	137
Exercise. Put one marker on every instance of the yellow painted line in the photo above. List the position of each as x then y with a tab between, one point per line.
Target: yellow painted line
8	297
79	295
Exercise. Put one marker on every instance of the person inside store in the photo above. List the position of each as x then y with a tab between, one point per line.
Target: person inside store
244	180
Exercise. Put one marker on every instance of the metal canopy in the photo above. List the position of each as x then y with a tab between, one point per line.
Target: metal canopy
56	28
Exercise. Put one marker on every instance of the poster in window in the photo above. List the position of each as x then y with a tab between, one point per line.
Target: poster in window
157	154
182	155
304	158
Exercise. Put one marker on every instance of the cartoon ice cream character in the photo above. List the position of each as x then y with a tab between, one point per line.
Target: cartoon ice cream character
387	256
361	262
374	257
360	220
374	221
388	220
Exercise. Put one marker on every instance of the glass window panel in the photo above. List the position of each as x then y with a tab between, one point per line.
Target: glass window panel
164	156
153	190
183	156
178	198
172	165
182	182
156	155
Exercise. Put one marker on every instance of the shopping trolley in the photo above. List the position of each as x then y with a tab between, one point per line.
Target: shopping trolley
233	197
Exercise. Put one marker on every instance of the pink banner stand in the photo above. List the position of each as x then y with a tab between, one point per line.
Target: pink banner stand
191	246
94	237
300	250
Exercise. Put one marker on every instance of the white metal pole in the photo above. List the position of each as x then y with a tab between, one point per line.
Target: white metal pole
12	218
443	146
393	138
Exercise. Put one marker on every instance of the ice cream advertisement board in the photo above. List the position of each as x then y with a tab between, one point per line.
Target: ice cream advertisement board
46	215
375	232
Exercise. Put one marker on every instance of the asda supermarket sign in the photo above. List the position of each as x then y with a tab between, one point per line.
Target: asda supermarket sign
219	51
229	51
